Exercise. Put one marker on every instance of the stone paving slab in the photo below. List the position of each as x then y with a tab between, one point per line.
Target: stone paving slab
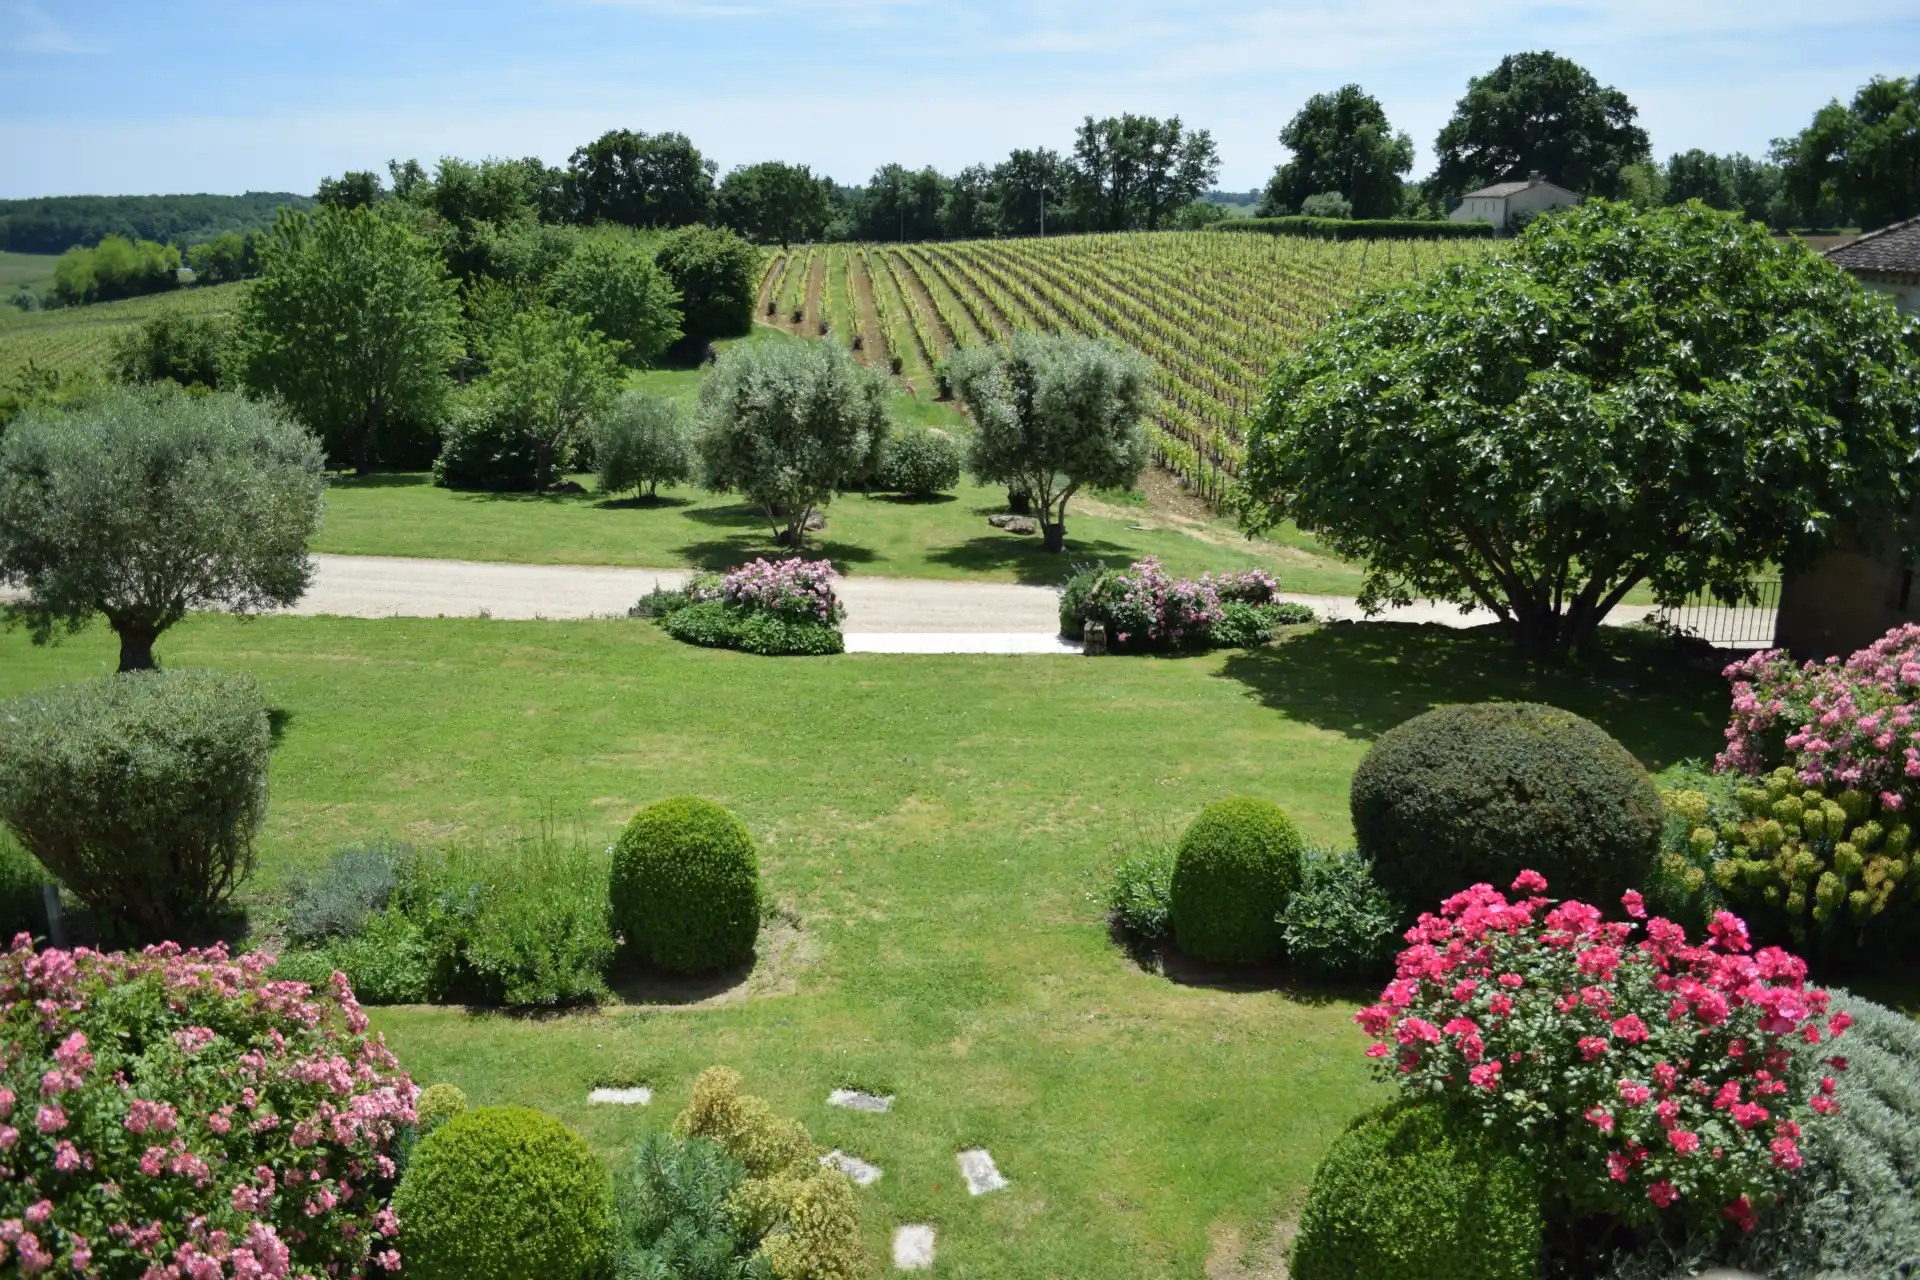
635	1097
913	1247
854	1100
977	1167
862	1173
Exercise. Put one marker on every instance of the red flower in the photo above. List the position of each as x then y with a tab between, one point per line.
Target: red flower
1662	1194
1591	1047
1630	1028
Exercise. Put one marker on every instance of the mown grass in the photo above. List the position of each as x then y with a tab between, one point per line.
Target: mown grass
938	824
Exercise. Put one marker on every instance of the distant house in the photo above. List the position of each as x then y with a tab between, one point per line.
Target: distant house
1856	594
1503	202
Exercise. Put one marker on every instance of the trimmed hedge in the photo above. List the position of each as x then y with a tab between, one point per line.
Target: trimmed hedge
1398	1195
920	463
1233	871
685	888
715	624
1479	792
504	1191
1360	228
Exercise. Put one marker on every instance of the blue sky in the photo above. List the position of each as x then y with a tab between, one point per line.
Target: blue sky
110	96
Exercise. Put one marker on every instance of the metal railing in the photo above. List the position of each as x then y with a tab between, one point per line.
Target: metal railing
1748	625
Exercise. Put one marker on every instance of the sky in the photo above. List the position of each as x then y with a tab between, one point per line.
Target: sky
112	97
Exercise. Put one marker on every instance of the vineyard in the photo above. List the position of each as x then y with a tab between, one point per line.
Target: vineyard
76	338
1211	311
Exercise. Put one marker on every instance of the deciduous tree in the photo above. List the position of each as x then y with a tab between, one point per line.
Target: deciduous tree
641	180
1671	398
1860	161
1538	111
774	201
1341	141
613	282
1133	171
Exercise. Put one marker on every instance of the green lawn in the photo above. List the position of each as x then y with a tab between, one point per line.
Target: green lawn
34	270
939	824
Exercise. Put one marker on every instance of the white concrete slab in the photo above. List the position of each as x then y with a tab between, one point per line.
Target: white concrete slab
913	1247
635	1097
977	1167
854	1100
862	1173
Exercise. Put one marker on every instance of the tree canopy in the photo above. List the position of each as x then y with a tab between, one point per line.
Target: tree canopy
1671	398
641	180
353	322
54	224
612	281
1858	161
150	502
1341	142
1134	171
115	268
1052	414
1538	111
774	201
717	275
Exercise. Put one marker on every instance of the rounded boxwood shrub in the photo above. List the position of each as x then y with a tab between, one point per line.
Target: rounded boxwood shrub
920	463
1399	1195
686	885
1232	873
438	1104
140	792
504	1191
1480	792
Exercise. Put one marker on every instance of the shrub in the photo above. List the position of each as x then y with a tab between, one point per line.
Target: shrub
642	443
1244	586
1399	1194
22	890
1653	1081
804	1215
612	282
1076	598
438	1104
140	792
1140	895
173	346
1474	793
1242	626
659	602
1290	613
721	626
921	463
716	274
1326	204
1234	869
795	589
676	1222
356	883
504	1191
1144	608
178	1109
685	886
1338	923
391	961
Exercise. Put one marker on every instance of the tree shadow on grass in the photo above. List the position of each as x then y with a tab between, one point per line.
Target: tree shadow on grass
726	553
737	515
634	981
1361	679
383	480
1167	960
278	718
657	502
915	499
1021	553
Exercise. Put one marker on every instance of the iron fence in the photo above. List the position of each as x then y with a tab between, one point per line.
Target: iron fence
1747	625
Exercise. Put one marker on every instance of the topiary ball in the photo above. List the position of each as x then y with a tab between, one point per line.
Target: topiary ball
504	1191
1399	1195
1480	792
438	1104
920	463
1235	867
686	885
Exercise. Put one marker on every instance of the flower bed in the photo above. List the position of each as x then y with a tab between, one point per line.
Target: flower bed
1144	609
177	1113
783	607
1649	1079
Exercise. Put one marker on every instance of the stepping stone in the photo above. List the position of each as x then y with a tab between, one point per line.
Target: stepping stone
976	1166
636	1097
854	1100
913	1247
862	1173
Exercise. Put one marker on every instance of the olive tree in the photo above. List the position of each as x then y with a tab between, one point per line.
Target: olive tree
642	442
1053	414
1671	398
150	502
353	322
786	423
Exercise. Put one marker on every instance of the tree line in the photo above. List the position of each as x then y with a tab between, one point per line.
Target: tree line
1856	164
54	224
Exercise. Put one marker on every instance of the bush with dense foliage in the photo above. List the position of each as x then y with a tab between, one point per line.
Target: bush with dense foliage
178	1112
147	503
140	792
785	424
1467	435
1143	608
1649	1080
1233	871
173	346
1476	792
115	268
920	463
717	275
356	883
1402	1194
773	608
504	1191
675	1214
642	443
612	282
439	1103
1139	895
714	625
1054	413
685	886
484	451
1338	923
803	1214
23	883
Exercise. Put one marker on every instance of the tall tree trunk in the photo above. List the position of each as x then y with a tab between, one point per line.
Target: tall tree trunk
136	645
1053	535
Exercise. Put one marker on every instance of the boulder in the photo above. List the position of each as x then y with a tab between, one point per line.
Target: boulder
1014	523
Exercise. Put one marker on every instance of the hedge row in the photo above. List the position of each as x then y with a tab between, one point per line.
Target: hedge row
1361	228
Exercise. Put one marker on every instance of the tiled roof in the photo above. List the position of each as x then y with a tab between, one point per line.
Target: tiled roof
1894	248
1497	190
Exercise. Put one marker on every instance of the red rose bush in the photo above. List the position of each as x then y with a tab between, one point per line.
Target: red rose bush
1646	1077
176	1115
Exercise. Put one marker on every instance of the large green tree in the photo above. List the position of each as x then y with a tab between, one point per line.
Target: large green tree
150	502
641	180
902	204
717	275
1538	111
774	201
1132	172
613	282
1858	161
1030	192
1053	414
1671	398
1341	141
550	378
353	322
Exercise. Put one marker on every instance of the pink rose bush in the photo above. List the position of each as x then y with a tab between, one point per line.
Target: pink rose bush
1145	608
175	1115
1247	586
1646	1076
795	589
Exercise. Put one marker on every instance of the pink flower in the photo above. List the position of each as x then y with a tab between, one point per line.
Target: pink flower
1662	1193
50	1118
153	1162
1529	882
1634	1094
1378	1049
1636	905
1601	1118
1786	1154
1591	1047
1485	1076
1618	1165
66	1157
39	1211
1741	1211
1684	1142
1630	1029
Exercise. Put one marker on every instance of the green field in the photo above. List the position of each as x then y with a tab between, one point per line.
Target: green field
81	338
34	270
940	825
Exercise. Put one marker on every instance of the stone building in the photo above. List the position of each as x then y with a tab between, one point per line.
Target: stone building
1503	202
1856	594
